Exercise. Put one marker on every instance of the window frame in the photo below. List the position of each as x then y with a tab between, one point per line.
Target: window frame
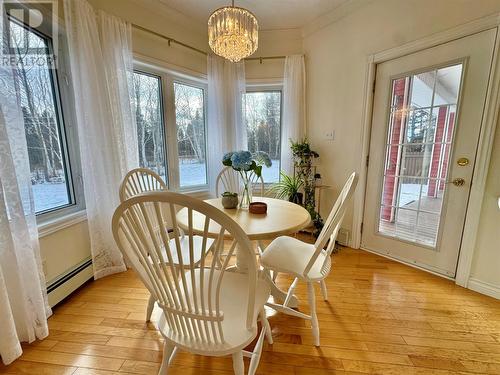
168	77
66	122
157	75
269	87
204	88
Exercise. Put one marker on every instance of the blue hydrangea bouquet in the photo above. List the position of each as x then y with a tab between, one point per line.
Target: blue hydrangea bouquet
248	166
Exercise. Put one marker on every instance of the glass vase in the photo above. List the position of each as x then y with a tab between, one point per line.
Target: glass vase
246	192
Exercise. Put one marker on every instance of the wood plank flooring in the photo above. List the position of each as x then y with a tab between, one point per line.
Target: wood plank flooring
381	318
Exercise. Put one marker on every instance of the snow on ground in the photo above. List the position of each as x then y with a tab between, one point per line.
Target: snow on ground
49	195
52	195
194	174
410	193
271	174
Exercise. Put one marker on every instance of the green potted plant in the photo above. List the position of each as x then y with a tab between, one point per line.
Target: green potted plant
229	200
303	157
288	188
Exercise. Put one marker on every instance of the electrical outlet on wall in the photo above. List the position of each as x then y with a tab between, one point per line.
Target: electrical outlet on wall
343	236
330	135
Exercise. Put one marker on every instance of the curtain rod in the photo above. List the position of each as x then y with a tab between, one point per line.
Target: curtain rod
172	40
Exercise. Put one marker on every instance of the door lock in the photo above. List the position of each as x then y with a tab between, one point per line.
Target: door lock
463	162
458	181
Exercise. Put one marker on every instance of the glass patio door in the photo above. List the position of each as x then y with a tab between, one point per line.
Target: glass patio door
426	121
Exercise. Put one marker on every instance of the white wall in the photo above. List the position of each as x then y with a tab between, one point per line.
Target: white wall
64	249
273	43
336	60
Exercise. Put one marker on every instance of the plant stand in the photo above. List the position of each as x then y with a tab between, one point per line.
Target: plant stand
317	192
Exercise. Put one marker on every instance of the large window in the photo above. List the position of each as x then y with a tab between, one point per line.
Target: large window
170	115
262	112
43	118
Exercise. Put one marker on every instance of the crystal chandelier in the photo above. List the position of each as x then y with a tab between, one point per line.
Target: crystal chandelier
233	33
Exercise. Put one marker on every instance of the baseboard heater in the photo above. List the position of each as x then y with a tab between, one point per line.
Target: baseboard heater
63	286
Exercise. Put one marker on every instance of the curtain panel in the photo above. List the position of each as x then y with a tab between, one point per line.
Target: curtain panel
100	49
226	126
23	298
294	108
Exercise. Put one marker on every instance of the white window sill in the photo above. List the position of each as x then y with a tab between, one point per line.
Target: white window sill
54	225
202	193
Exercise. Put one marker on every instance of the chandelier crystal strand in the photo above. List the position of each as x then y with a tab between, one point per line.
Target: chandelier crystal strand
233	33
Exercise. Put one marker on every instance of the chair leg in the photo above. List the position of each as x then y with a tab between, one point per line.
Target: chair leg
151	306
324	291
260	247
238	364
314	317
266	326
289	294
168	348
255	355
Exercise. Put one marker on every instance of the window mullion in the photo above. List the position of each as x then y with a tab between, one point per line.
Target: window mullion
171	133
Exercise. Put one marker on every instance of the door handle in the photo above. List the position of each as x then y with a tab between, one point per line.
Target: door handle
459	181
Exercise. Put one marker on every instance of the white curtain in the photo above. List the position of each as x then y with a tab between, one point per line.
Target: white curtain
100	48
294	108
226	128
23	298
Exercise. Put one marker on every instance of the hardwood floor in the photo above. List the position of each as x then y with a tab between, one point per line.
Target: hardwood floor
381	318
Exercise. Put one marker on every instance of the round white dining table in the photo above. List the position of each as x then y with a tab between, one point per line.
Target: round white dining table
282	218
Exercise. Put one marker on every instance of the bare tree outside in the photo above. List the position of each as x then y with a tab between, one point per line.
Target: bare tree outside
36	85
150	125
190	120
262	113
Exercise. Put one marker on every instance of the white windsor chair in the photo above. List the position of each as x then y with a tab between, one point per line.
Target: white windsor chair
230	180
205	310
308	262
138	181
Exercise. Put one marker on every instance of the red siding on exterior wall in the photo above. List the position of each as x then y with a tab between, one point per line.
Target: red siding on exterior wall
396	137
436	160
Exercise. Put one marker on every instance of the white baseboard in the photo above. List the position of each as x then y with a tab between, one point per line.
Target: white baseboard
484	288
62	287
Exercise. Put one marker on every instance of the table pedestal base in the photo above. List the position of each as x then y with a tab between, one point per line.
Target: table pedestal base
278	294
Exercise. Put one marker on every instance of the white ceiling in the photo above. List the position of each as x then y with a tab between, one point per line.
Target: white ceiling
271	14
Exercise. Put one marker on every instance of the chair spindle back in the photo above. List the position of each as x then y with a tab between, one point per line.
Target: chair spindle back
332	224
187	293
139	180
230	180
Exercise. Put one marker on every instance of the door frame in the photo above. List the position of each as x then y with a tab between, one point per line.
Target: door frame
485	143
